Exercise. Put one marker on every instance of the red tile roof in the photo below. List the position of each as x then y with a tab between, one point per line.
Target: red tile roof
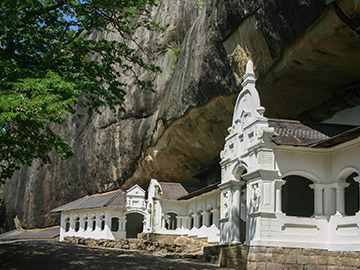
296	133
172	191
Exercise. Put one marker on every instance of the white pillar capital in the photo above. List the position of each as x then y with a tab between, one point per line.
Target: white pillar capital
279	183
317	187
340	185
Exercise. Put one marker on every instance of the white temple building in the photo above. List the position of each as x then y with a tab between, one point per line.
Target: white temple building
293	184
170	208
283	183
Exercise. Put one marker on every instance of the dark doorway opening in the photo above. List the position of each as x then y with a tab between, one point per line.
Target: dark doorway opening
134	224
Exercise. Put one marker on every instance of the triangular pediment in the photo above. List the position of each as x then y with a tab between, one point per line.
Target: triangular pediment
135	191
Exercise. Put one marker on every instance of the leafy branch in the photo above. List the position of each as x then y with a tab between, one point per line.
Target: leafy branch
47	63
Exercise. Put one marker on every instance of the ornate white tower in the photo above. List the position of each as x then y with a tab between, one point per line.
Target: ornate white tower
247	167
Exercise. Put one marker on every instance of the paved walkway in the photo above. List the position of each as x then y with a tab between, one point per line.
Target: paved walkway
50	255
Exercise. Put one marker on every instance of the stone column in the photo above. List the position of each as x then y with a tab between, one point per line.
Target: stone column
72	223
98	222
329	205
205	218
318	199
230	211
278	201
189	218
122	225
107	229
235	211
216	217
340	197
357	179
178	222
196	220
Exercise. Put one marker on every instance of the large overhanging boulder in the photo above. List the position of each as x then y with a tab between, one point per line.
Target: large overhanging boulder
306	57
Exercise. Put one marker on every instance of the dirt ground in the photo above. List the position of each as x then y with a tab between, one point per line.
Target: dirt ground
51	255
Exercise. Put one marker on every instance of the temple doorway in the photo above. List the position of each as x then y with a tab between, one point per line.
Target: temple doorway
134	224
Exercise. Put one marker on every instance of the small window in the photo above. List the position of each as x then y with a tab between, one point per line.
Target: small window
67	224
93	224
211	218
77	224
200	218
102	223
134	203
114	224
191	225
85	223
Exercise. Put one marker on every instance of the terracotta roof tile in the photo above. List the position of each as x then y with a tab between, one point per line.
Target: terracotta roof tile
172	191
296	133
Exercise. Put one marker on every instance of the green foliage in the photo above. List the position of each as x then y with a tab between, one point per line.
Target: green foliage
173	50
47	66
200	4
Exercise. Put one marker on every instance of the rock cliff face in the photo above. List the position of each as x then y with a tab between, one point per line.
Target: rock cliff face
306	55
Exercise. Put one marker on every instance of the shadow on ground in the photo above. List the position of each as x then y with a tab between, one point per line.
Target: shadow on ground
54	255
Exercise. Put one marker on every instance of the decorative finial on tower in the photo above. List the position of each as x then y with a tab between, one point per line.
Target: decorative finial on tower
250	67
249	77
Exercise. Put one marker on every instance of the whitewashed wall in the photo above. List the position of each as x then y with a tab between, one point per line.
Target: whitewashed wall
329	229
109	213
158	210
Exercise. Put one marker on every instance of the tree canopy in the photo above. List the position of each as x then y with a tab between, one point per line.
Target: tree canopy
49	64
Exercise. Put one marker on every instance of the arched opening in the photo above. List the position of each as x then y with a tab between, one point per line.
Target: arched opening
210	216
85	223
297	196
134	224
200	217
352	196
114	224
67	224
77	224
191	221
93	223
172	221
102	224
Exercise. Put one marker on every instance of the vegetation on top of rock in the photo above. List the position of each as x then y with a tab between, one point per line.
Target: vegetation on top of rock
173	50
49	62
